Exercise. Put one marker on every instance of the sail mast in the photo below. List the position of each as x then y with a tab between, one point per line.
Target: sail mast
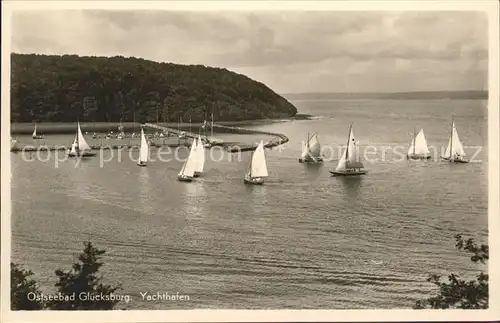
451	138
250	165
414	139
212	128
77	146
348	141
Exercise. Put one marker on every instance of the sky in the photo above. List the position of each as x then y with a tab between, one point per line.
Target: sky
289	51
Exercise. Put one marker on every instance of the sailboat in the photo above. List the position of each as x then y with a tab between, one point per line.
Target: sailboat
181	134
418	147
35	136
187	172
144	150
200	157
13	144
80	148
209	142
121	133
311	152
455	151
349	164
257	169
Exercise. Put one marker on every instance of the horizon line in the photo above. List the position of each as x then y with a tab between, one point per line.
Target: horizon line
395	92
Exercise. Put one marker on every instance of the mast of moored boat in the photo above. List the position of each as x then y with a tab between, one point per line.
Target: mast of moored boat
212	128
133	115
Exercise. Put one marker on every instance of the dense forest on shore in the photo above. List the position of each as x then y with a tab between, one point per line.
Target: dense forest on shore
111	89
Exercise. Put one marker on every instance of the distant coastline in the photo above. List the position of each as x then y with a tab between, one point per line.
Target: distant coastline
417	95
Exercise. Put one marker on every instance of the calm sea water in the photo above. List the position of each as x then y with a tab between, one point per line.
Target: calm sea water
302	240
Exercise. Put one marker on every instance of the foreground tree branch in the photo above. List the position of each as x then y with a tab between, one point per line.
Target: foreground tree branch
459	293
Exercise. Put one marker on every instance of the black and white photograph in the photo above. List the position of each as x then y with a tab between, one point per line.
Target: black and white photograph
207	156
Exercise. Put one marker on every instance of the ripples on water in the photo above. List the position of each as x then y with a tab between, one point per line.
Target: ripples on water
302	240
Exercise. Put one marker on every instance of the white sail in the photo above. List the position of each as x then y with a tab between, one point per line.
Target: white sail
342	162
73	145
418	145
34	132
305	148
258	167
349	159
82	143
314	146
454	145
200	152
144	152
13	143
311	148
189	166
352	159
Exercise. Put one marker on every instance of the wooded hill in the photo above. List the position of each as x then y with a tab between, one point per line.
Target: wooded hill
111	89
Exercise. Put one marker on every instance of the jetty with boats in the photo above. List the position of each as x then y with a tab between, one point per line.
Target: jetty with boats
185	138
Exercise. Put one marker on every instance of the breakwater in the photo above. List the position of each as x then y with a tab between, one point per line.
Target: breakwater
279	139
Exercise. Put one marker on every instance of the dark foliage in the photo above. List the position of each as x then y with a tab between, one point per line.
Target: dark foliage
459	293
21	285
83	279
64	88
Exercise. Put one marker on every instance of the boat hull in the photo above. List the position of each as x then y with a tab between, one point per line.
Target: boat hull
37	137
347	173
186	179
311	160
142	164
416	157
84	154
253	181
461	161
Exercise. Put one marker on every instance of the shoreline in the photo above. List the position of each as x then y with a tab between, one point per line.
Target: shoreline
105	127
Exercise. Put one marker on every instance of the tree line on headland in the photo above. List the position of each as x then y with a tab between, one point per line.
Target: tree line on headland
84	278
51	88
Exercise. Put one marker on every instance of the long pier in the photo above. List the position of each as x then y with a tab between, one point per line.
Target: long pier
183	133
